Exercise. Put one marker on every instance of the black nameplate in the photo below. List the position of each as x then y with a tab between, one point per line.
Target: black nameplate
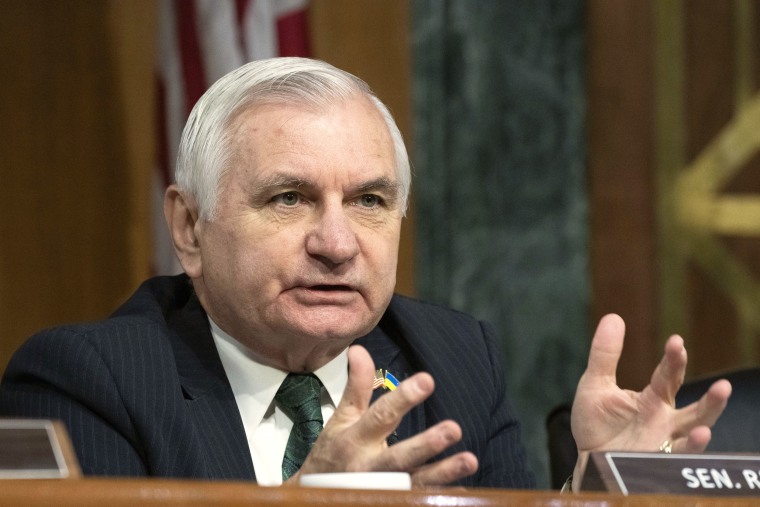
687	474
35	449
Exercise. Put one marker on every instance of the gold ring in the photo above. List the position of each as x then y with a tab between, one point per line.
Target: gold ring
666	447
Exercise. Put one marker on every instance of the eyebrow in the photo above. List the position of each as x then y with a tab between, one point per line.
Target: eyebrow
383	185
282	180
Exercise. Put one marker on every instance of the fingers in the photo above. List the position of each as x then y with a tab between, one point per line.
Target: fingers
412	455
446	471
668	377
413	452
385	414
694	421
355	437
706	410
606	347
696	441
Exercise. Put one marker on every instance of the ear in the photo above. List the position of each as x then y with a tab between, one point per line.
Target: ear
181	215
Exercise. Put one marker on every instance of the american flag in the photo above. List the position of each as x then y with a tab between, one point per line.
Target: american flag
379	379
198	42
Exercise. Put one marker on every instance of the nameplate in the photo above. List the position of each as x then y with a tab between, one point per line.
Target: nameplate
687	474
36	449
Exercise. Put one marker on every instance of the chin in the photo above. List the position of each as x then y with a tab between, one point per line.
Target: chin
337	333
335	329
326	322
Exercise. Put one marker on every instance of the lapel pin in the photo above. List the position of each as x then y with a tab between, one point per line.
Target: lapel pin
385	380
379	379
390	381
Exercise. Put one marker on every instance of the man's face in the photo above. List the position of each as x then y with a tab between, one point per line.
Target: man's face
300	258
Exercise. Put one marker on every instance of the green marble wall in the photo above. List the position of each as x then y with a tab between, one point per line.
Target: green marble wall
500	189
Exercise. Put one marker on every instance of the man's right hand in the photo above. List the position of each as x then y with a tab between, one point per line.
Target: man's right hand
354	439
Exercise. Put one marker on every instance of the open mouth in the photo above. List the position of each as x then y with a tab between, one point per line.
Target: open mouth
331	288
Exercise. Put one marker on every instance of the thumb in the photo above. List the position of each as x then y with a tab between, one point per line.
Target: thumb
606	347
358	392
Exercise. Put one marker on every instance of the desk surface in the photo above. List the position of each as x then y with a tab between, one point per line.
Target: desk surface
154	492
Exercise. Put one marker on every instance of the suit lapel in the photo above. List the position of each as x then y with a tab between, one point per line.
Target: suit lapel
391	352
210	402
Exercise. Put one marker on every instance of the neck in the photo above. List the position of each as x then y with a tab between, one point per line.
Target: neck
297	356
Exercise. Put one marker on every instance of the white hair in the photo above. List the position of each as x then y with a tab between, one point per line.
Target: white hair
206	149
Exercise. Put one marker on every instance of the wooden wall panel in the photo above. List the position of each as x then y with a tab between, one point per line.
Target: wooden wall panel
708	96
620	165
67	168
674	170
721	86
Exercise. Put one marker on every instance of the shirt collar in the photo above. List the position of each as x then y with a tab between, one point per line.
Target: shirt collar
255	384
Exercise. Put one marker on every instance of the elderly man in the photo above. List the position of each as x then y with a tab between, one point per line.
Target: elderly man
291	184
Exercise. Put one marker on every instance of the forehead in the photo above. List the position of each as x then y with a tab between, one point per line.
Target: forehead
347	138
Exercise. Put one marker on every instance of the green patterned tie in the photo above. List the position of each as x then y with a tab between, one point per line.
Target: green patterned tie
299	397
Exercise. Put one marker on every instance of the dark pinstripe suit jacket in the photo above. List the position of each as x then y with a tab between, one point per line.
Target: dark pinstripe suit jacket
144	392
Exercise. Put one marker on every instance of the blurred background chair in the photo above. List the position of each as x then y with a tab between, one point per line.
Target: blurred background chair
737	430
562	451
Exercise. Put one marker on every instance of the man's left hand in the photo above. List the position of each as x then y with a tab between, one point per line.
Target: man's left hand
605	417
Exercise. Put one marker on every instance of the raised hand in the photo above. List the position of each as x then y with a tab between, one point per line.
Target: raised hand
354	439
605	417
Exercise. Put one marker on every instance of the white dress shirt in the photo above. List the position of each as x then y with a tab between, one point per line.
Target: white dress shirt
254	385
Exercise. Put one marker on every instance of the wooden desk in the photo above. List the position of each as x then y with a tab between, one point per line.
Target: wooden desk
155	492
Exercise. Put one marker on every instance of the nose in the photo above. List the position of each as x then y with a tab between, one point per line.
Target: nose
332	238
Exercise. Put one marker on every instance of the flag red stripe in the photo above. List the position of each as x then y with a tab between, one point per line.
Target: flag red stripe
293	34
241	9
193	74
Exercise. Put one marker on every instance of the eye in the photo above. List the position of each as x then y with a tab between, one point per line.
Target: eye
369	201
287	198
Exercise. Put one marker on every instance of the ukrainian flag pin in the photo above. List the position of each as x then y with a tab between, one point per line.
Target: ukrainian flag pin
390	381
385	380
